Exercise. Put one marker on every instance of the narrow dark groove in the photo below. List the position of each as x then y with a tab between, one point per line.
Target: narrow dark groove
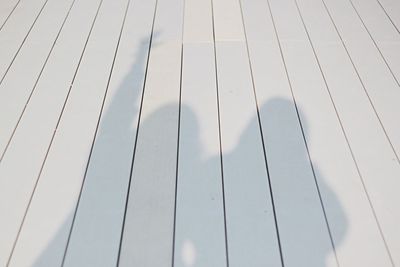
51	141
9	15
36	82
137	134
95	135
361	81
262	139
376	45
343	130
304	137
301	126
177	158
219	137
383	128
23	41
391	21
178	141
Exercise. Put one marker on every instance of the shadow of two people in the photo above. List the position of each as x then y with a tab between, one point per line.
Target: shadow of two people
276	110
116	133
301	194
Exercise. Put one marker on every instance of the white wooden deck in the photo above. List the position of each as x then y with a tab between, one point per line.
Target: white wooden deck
200	133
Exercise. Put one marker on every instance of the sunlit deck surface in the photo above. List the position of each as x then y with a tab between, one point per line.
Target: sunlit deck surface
208	133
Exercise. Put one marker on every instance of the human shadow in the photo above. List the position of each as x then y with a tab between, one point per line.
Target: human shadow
100	214
304	235
299	190
95	225
311	219
99	217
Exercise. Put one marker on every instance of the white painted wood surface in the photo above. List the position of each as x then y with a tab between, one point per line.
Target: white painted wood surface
251	231
199	219
391	8
382	32
322	132
223	136
250	226
200	224
16	30
103	197
198	22
45	231
15	90
279	119
382	194
37	126
377	78
227	21
149	223
370	146
363	132
6	9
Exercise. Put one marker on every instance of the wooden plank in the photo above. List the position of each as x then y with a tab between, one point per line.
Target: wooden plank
200	225
366	138
378	81
21	79
227	20
304	77
198	21
376	21
249	211
150	211
251	233
199	218
43	237
297	201
7	7
254	15
16	30
391	8
38	124
169	22
384	35
149	221
371	148
102	201
334	170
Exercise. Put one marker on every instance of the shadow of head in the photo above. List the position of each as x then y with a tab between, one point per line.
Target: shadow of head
160	131
288	136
